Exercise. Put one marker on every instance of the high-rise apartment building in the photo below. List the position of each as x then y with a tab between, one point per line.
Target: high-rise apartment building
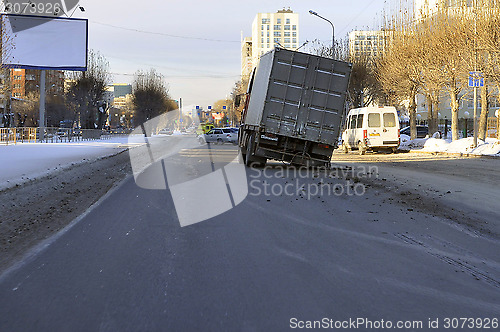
270	30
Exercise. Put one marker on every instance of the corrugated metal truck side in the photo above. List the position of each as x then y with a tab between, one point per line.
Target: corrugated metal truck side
294	109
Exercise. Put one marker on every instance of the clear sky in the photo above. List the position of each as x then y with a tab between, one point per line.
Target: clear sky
196	45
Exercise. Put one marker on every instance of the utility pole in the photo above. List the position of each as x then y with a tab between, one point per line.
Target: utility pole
180	113
41	123
475	70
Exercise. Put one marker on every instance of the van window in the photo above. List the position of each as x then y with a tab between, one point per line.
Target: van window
389	120
360	121
353	122
373	120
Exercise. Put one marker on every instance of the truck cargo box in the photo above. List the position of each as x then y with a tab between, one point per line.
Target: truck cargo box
298	95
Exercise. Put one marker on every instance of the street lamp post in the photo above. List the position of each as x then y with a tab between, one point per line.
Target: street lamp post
333	29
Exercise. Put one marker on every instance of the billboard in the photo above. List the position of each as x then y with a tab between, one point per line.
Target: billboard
39	42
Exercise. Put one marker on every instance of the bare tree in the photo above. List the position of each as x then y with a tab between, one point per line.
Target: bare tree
86	92
150	96
399	70
238	96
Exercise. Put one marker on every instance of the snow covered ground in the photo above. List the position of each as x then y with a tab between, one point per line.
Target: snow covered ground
27	161
465	145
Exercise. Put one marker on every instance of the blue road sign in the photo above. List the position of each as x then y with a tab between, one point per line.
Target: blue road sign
476	79
223	107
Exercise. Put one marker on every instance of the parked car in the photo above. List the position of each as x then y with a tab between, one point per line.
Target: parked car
166	131
230	135
371	128
422	131
215	135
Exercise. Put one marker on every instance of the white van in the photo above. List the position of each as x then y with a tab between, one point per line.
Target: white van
371	128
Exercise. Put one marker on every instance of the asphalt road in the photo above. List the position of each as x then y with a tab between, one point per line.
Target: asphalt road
353	252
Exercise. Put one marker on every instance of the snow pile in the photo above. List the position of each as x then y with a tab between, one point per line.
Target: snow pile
435	144
465	145
408	144
490	148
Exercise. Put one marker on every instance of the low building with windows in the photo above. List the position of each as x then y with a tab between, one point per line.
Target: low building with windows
367	43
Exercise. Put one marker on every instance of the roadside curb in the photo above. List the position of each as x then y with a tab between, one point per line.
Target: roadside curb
466	155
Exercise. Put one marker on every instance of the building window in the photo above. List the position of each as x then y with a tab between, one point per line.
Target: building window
287	34
294	46
266	21
287	27
287	21
277	27
17	86
287	40
287	45
268	40
262	40
262	33
294	27
278	21
277	40
294	40
262	27
277	33
294	34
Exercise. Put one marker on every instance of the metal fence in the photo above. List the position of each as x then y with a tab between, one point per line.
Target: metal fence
54	135
465	127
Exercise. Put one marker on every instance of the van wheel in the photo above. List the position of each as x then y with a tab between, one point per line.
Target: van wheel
344	148
362	148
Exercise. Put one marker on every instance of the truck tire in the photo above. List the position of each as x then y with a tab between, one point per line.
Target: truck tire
253	161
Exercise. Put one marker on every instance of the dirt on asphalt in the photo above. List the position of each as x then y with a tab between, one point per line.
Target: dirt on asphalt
464	190
38	209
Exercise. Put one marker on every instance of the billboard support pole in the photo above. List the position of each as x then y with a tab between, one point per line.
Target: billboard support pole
41	123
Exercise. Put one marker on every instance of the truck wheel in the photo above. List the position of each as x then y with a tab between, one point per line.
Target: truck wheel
252	161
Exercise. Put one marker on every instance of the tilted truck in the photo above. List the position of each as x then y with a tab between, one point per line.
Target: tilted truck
294	109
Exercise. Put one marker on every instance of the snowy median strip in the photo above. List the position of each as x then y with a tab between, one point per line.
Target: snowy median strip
490	147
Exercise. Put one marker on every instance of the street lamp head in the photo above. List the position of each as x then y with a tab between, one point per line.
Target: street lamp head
312	12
